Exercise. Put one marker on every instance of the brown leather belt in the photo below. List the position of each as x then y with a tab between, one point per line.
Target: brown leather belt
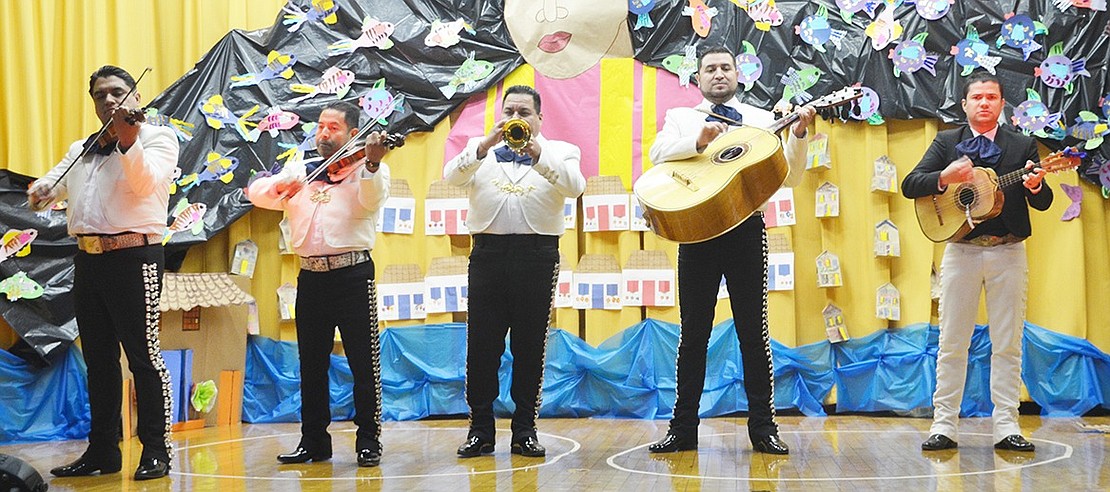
96	244
334	262
987	240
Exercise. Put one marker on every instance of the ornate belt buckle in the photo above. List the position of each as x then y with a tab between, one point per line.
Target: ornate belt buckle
91	245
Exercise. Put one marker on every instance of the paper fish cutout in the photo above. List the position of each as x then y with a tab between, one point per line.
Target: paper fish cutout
1104	104
1063	5
17	243
20	286
848	8
1058	70
684	65
971	53
275	120
256	175
446	34
1104	176
216	167
701	16
883	29
379	103
375	33
1088	127
932	9
763	12
296	152
798	82
910	56
893	4
186	217
277	65
467	76
1018	32
333	81
1032	116
1075	193
866	108
748	66
183	129
816	31
217	115
641	8
320	10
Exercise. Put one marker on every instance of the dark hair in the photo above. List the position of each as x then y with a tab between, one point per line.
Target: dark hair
523	89
981	76
350	112
714	50
111	71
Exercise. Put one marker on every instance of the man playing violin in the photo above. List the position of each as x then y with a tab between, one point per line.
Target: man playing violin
516	218
332	219
118	195
739	254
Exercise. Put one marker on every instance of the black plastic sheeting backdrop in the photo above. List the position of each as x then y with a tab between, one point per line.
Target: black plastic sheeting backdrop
417	72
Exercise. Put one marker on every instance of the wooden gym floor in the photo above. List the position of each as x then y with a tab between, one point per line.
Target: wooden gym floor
849	453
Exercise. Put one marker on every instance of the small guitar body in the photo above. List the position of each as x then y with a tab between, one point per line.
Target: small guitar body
945	216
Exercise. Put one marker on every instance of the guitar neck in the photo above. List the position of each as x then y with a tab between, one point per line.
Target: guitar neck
783	122
1013	177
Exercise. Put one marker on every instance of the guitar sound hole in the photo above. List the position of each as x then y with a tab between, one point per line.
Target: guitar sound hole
966	197
729	154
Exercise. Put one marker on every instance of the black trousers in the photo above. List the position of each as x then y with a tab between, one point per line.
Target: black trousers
346	298
116	302
512	285
741	256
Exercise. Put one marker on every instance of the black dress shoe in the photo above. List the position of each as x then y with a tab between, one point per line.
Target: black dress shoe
937	442
672	443
85	466
475	446
302	455
152	468
369	457
770	445
529	446
1015	442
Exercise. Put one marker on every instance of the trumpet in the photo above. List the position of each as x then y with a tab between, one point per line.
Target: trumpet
516	133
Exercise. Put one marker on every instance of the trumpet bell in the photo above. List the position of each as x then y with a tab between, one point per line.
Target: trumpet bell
516	133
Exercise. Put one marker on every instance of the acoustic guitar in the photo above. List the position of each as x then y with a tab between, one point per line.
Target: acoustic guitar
701	197
951	215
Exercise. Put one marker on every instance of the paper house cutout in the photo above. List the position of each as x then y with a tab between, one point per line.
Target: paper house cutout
834	324
828	200
639	223
401	293
597	283
648	279
605	205
887	241
884	178
564	294
828	270
245	258
445	210
570	213
887	302
780	262
398	214
446	286
287	301
780	209
817	153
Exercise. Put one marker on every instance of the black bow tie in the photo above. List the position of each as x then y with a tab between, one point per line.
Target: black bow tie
505	154
980	149
727	112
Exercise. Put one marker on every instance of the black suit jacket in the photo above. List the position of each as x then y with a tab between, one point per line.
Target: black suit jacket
1016	149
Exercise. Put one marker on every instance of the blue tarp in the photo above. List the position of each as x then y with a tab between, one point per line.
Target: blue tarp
631	375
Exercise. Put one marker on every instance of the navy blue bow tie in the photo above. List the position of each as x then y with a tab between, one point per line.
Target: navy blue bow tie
505	154
727	112
980	149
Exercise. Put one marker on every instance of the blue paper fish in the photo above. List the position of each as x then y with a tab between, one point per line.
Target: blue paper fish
848	8
971	53
20	286
932	9
379	103
748	66
467	76
866	108
217	167
1058	70
816	31
320	10
641	8
217	115
1090	128
277	65
183	129
1033	117
375	33
910	56
684	65
1018	32
798	82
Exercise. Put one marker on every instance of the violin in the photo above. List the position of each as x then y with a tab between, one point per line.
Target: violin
339	167
108	137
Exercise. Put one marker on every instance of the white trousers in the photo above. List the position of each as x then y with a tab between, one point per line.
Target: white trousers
964	272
